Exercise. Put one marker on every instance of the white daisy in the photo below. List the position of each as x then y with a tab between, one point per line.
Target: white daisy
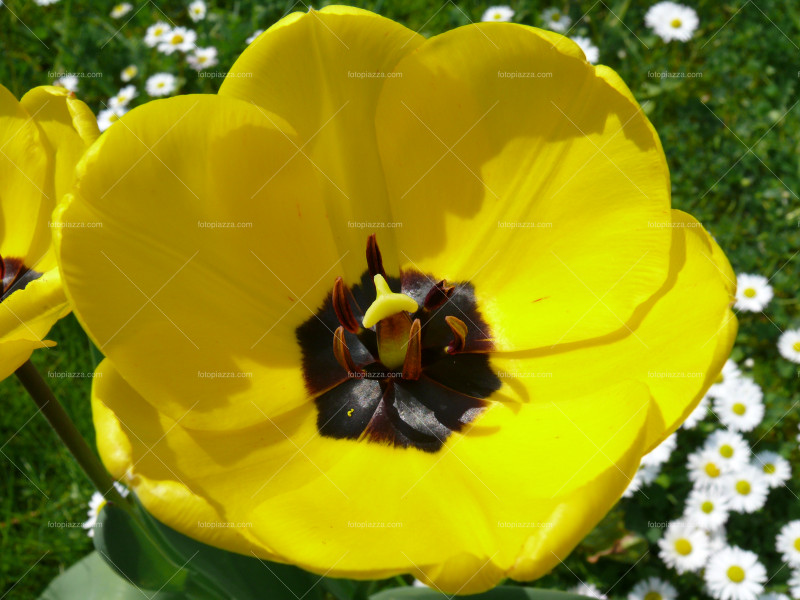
255	35
729	375
735	574
705	467
556	20
69	82
773	596
775	468
707	507
789	345
161	84
683	548
794	584
179	38
645	475
123	97
587	589
156	34
202	58
742	407
753	292
197	10
788	543
698	414
732	449
120	10
106	118
672	21
717	540
661	453
653	589
589	49
747	489
129	73
96	504
498	13
45	2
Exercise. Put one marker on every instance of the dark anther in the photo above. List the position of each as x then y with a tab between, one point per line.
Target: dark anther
438	295
341	305
374	260
412	367
459	330
342	352
14	275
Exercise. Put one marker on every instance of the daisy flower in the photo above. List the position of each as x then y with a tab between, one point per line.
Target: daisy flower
645	475
742	407
120	10
747	489
661	453
729	375
96	504
705	467
106	118
672	21
69	82
753	292
556	20
202	58
735	574
794	584
587	589
707	508
498	13
156	34
45	2
197	10
683	548
732	449
161	84
255	35
589	49
773	596
788	543
698	414
123	97
129	73
789	345
653	589
179	38
775	468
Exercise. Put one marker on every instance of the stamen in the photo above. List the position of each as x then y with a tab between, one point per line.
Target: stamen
459	329
341	305
438	295
412	366
387	303
374	259
342	352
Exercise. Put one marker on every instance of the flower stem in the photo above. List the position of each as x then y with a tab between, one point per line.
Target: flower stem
58	418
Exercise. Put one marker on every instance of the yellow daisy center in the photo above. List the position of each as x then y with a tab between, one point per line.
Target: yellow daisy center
743	487
707	507
750	293
739	408
201	59
556	17
177	38
796	347
683	547
769	469
653	596
797	544
726	450
676	23
712	470
736	574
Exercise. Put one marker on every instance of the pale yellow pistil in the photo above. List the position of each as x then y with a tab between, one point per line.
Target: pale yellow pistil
393	325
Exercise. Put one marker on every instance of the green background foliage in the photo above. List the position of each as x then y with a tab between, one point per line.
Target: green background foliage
730	136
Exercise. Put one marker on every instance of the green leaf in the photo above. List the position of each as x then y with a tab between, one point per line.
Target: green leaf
129	550
498	593
92	579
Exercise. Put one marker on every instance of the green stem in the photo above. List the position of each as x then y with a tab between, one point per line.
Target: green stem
58	418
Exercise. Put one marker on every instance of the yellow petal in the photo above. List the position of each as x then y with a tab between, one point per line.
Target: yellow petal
538	484
542	189
322	71
213	248
676	344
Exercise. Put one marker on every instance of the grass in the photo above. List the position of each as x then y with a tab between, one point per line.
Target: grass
730	136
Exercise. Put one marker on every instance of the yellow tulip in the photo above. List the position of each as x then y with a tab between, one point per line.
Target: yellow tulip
41	139
467	401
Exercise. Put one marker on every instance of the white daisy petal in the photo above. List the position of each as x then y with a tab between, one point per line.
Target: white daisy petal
498	13
753	292
156	34
653	588
672	21
591	51
197	10
747	489
161	84
776	469
789	345
741	408
556	20
707	508
683	548
735	574
788	543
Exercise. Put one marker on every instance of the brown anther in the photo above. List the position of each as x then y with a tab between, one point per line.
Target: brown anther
459	330
341	305
438	295
412	367
374	260
342	352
